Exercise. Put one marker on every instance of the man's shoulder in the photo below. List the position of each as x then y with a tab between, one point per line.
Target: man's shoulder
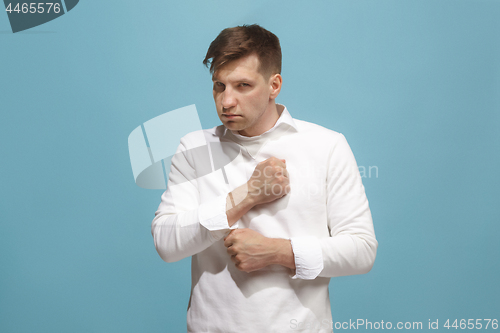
202	137
315	130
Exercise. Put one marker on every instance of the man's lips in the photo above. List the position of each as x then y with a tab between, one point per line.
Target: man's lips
230	115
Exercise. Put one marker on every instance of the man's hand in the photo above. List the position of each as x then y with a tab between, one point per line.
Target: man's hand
269	181
251	251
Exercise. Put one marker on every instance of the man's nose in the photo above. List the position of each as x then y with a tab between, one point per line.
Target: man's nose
228	99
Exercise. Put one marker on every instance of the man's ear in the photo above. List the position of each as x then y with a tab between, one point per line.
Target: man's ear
275	82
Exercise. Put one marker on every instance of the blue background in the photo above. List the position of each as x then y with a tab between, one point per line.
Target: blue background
413	85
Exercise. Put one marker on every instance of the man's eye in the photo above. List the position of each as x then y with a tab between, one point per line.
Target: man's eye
244	84
219	86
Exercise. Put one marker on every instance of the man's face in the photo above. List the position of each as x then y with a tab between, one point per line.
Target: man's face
243	96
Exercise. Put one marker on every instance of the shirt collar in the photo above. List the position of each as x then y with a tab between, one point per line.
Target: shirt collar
283	126
284	120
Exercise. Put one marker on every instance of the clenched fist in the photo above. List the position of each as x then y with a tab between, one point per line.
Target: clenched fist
251	251
269	181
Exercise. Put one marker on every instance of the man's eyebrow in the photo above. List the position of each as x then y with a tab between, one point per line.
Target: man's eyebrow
244	79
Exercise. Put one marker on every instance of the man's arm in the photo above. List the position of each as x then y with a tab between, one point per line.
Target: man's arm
183	227
351	247
250	250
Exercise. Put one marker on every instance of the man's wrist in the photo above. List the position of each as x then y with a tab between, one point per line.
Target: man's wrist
238	203
284	253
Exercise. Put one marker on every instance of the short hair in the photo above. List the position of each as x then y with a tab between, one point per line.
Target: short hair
238	42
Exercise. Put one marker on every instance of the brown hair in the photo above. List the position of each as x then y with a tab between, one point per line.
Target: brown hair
238	42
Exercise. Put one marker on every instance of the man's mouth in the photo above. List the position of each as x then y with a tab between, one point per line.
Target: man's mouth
230	115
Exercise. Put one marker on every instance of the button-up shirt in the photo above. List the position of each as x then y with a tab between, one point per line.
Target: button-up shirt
325	216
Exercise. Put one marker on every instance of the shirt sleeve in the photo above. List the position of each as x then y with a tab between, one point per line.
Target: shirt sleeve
308	257
183	226
352	246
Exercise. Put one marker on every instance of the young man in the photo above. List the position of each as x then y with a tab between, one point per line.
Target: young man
268	230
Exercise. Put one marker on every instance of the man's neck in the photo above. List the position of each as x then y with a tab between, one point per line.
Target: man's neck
268	120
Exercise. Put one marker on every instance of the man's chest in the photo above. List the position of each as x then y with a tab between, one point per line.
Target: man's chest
304	205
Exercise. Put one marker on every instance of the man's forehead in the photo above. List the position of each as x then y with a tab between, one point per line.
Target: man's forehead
234	76
247	66
239	78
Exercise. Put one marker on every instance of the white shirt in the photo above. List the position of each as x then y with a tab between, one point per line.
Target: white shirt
326	216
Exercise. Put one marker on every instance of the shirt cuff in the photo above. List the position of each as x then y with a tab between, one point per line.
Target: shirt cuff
212	215
308	257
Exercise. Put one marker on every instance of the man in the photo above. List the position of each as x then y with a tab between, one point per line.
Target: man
268	230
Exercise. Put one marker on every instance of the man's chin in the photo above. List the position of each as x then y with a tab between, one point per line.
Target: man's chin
232	126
